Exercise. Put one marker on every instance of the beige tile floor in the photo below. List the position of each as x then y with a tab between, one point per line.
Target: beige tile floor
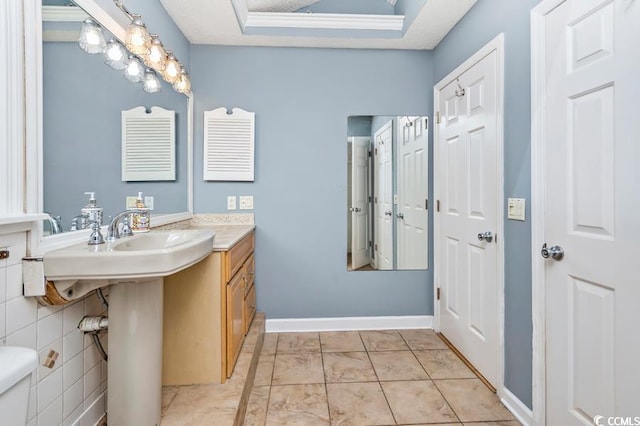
367	378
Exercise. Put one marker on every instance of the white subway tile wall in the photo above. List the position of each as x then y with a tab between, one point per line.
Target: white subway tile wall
73	391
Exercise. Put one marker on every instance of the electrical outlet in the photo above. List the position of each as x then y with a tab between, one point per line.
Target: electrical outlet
246	202
148	201
231	202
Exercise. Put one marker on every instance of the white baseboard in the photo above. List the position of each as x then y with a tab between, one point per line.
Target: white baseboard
517	407
94	413
348	323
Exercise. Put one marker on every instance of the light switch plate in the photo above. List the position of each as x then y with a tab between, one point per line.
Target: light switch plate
231	202
516	209
131	202
246	202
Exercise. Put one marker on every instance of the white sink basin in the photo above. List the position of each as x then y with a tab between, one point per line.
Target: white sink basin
152	254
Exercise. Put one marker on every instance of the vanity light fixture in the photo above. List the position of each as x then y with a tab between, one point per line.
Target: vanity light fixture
91	38
137	38
151	83
134	72
115	55
157	56
183	83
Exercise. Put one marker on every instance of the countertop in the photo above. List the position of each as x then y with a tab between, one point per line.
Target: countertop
226	235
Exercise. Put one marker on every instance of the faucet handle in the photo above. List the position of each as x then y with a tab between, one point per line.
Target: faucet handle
96	236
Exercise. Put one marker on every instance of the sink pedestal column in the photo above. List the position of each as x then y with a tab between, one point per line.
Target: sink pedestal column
135	353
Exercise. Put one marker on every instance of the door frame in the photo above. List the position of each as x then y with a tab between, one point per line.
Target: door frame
538	280
497	45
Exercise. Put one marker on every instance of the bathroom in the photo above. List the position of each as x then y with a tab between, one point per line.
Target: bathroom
302	98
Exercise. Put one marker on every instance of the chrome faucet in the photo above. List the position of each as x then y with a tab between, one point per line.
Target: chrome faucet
96	236
113	231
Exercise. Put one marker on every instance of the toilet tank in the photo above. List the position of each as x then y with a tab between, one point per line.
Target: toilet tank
16	366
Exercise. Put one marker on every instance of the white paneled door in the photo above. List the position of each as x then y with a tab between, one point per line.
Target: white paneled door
359	202
467	247
412	214
383	198
591	187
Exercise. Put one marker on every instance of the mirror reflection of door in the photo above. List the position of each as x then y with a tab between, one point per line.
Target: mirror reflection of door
387	193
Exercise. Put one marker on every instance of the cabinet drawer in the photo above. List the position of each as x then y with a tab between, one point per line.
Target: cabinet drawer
249	308
237	255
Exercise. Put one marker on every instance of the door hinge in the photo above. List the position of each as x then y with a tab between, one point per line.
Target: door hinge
369	199
426	204
438	293
375	200
369	153
370	244
375	248
376	151
437	205
438	117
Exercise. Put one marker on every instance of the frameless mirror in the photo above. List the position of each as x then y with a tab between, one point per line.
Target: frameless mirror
82	103
387	192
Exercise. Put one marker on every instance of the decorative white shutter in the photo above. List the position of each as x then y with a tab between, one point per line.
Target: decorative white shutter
229	145
148	144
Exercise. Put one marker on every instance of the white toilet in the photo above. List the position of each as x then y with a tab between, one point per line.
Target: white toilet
16	366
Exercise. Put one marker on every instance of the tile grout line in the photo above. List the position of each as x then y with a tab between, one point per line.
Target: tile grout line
393	415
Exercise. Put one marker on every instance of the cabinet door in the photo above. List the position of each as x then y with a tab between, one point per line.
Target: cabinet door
249	308
235	320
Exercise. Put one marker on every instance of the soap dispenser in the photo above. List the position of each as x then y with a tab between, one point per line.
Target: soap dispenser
140	219
91	211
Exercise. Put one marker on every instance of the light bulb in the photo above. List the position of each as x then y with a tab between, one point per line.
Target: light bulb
115	55
134	72
183	83
91	38
171	71
157	56
137	38
151	83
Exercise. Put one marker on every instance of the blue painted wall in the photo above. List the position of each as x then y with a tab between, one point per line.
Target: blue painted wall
484	21
302	98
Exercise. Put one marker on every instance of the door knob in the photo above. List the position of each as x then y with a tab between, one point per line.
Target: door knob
388	213
555	252
355	209
400	216
486	236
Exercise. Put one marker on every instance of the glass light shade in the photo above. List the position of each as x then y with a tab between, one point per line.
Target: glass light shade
115	55
134	72
156	57
171	71
183	83
137	38
151	83
91	38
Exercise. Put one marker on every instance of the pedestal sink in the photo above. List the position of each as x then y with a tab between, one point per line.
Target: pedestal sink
134	268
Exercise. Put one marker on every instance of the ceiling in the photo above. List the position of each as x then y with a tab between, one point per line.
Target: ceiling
369	24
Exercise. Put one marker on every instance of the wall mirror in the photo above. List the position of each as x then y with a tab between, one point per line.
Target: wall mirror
82	101
387	192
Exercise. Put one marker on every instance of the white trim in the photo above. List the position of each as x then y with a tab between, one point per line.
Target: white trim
497	45
348	323
94	412
63	14
517	407
538	207
108	15
330	21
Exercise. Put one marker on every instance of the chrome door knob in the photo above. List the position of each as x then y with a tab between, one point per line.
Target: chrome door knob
554	252
355	209
486	236
400	216
388	213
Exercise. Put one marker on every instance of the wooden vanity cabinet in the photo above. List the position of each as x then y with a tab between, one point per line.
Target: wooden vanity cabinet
208	309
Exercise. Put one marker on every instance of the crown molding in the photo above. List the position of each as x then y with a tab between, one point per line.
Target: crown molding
63	14
330	21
